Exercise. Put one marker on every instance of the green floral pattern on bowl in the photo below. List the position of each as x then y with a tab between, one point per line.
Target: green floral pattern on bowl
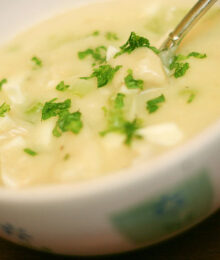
168	213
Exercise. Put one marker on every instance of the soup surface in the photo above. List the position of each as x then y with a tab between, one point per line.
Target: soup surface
84	94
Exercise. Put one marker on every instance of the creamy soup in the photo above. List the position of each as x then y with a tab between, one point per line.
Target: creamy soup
84	94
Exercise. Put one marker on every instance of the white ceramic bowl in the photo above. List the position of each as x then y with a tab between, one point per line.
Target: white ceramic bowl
116	213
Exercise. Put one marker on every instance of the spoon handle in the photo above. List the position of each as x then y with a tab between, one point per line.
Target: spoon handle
192	17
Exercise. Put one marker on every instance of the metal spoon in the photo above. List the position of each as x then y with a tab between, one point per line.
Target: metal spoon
170	45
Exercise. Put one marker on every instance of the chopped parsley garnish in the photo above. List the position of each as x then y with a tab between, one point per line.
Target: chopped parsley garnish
111	36
197	55
66	121
194	54
4	108
117	122
2	82
135	42
190	93
52	109
62	87
130	129
96	33
30	152
104	74
119	101
180	68
132	83
153	104
37	62
98	54
191	98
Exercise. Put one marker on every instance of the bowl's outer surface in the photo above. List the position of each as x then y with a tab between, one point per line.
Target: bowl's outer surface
124	214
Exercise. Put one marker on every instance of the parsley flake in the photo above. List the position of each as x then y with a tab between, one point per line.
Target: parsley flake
135	41
98	54
52	109
119	101
153	104
37	62
197	55
68	122
191	98
96	33
104	74
194	54
132	83
62	87
180	68
2	82
111	36
190	93
117	122
30	152
130	129
4	108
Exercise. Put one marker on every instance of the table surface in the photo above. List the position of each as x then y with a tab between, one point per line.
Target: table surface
201	242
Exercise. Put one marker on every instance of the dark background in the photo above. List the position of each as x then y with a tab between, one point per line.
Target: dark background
201	242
